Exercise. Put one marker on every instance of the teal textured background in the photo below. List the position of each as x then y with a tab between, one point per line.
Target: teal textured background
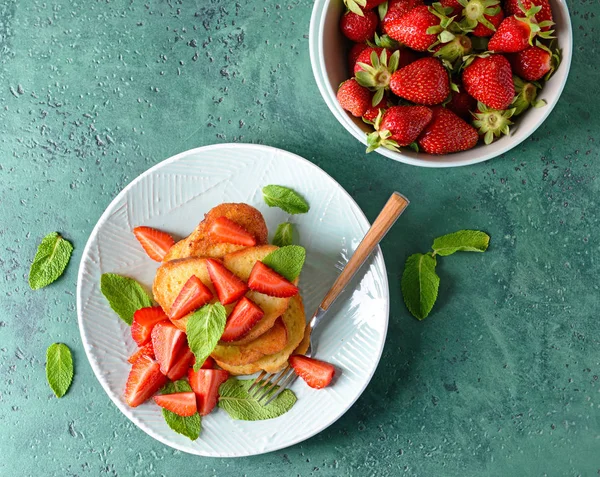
501	379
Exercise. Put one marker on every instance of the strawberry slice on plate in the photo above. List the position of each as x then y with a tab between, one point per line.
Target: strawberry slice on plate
206	383
226	230
209	363
143	321
144	380
229	287
265	280
243	317
146	350
182	404
156	243
183	362
192	296
168	341
317	374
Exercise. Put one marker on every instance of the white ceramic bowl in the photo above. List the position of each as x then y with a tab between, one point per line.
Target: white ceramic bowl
328	48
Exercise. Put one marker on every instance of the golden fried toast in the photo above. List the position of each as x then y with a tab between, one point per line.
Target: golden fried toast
297	343
171	276
199	243
241	264
268	343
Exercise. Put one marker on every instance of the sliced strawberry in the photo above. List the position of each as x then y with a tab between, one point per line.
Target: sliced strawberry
143	321
144	380
167	340
265	280
156	243
243	317
182	404
226	230
146	350
229	287
317	374
209	363
182	364
192	296
206	383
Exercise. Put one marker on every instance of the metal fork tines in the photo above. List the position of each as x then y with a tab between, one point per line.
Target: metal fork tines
269	386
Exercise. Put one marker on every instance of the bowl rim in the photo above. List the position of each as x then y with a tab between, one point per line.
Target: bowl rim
317	60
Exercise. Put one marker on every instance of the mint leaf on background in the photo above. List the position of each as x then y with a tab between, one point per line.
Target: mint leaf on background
284	235
461	241
204	329
59	368
125	296
286	199
50	261
235	400
287	261
189	426
420	284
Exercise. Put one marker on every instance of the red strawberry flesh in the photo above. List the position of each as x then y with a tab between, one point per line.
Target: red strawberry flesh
230	288
143	381
226	230
241	320
182	404
265	280
144	320
317	374
167	341
192	296
206	383
155	243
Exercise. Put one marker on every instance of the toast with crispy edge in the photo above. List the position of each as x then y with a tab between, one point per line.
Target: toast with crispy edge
199	242
271	342
297	336
171	276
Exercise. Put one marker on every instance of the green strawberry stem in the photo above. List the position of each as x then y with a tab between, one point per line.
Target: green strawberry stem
526	96
355	6
377	76
492	123
474	12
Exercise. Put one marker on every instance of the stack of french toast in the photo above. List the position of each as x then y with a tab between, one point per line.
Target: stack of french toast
279	333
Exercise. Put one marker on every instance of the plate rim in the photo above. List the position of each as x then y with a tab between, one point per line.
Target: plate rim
87	346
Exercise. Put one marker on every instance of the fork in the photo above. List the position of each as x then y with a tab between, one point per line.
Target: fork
267	387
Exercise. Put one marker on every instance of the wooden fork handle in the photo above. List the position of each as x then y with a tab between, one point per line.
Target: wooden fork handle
384	221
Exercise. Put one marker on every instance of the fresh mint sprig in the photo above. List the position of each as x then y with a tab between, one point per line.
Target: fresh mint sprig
420	283
285	198
51	259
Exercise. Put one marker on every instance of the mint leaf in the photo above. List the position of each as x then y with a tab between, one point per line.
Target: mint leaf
461	241
420	284
50	261
189	426
284	235
286	199
287	261
204	329
234	398
59	368
125	296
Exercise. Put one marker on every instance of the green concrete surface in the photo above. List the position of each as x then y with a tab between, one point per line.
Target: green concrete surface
500	380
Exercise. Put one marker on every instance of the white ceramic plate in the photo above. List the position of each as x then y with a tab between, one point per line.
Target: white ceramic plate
173	196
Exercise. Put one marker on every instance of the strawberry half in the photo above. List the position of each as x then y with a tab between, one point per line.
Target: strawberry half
243	317
143	381
183	362
143	321
192	296
146	350
182	404
265	280
226	230
167	341
317	374
156	243
206	383
229	287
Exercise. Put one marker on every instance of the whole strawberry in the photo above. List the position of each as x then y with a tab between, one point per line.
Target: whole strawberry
365	57
516	33
399	126
412	27
359	28
447	133
354	53
489	80
512	7
354	97
462	104
423	82
534	62
371	114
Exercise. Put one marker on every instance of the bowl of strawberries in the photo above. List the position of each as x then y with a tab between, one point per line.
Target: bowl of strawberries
441	84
